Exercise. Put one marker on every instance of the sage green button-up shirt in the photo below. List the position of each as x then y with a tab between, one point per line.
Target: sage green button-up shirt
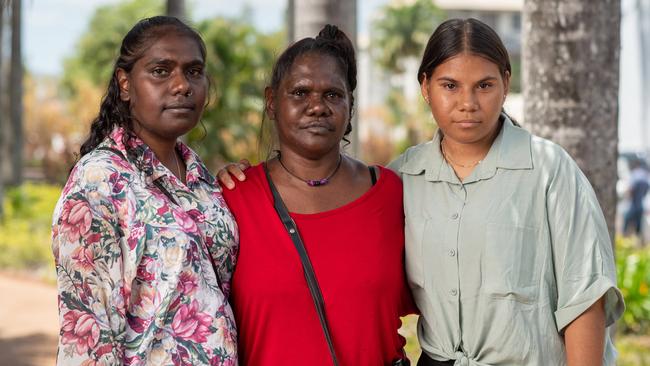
501	263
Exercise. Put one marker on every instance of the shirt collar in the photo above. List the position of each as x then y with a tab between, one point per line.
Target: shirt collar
510	150
145	159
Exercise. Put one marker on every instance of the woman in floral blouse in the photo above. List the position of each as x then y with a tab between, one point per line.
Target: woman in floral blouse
144	244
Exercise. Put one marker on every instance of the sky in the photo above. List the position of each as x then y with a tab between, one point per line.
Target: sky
52	28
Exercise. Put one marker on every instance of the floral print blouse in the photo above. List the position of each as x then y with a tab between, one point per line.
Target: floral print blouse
143	261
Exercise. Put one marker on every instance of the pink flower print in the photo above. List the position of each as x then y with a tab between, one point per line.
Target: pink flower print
137	232
107	348
162	210
187	283
146	268
117	182
84	258
196	215
75	219
79	329
185	222
228	362
190	324
132	360
138	324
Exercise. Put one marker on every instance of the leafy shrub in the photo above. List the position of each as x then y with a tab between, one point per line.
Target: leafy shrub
633	270
25	228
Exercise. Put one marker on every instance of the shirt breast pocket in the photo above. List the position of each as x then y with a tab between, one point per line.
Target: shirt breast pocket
511	262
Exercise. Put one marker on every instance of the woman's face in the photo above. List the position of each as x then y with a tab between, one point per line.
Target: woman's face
311	106
166	89
466	95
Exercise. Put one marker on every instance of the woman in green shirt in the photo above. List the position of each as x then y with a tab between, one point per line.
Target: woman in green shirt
507	251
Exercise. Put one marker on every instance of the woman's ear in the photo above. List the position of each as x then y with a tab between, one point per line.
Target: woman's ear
123	82
424	88
506	84
269	102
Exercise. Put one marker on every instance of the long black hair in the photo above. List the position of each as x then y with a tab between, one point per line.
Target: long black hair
113	111
330	41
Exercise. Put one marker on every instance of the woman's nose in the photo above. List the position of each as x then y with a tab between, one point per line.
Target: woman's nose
181	85
317	105
468	100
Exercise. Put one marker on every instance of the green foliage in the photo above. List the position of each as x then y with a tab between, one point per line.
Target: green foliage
25	228
239	63
99	46
403	32
633	350
633	271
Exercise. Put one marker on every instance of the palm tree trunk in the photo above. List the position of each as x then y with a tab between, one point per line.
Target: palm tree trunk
16	94
571	76
307	17
176	8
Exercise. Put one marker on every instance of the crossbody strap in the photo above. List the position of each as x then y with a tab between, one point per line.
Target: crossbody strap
308	270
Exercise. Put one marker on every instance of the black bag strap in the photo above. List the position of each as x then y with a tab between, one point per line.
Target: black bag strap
308	270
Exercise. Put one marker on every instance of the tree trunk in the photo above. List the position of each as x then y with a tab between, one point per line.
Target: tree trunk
570	73
643	20
16	95
307	17
176	8
2	114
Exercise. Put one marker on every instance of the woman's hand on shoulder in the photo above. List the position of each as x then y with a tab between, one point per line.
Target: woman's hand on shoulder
225	175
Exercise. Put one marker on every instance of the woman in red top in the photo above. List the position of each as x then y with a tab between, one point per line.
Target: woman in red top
349	216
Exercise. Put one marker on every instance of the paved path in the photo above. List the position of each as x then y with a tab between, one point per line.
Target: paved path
28	322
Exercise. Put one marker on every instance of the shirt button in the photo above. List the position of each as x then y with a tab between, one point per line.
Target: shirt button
454	216
453	292
452	252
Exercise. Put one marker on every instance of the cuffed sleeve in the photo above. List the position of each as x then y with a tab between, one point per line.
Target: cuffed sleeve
582	252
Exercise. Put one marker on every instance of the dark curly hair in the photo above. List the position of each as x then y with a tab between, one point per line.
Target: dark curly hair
113	111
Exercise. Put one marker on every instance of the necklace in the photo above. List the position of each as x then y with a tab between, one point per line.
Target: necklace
314	182
446	156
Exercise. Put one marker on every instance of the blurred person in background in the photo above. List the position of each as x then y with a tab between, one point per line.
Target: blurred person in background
144	243
636	193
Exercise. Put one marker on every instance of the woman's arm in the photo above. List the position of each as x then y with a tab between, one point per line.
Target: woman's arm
89	275
585	337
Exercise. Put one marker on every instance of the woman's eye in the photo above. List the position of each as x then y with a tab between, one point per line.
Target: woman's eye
159	72
195	72
333	95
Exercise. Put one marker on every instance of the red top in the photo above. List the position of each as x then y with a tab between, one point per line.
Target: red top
357	252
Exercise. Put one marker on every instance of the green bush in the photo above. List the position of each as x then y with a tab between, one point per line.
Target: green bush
25	227
633	270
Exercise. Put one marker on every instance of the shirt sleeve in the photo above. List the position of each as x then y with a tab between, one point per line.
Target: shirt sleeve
87	251
396	164
582	250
